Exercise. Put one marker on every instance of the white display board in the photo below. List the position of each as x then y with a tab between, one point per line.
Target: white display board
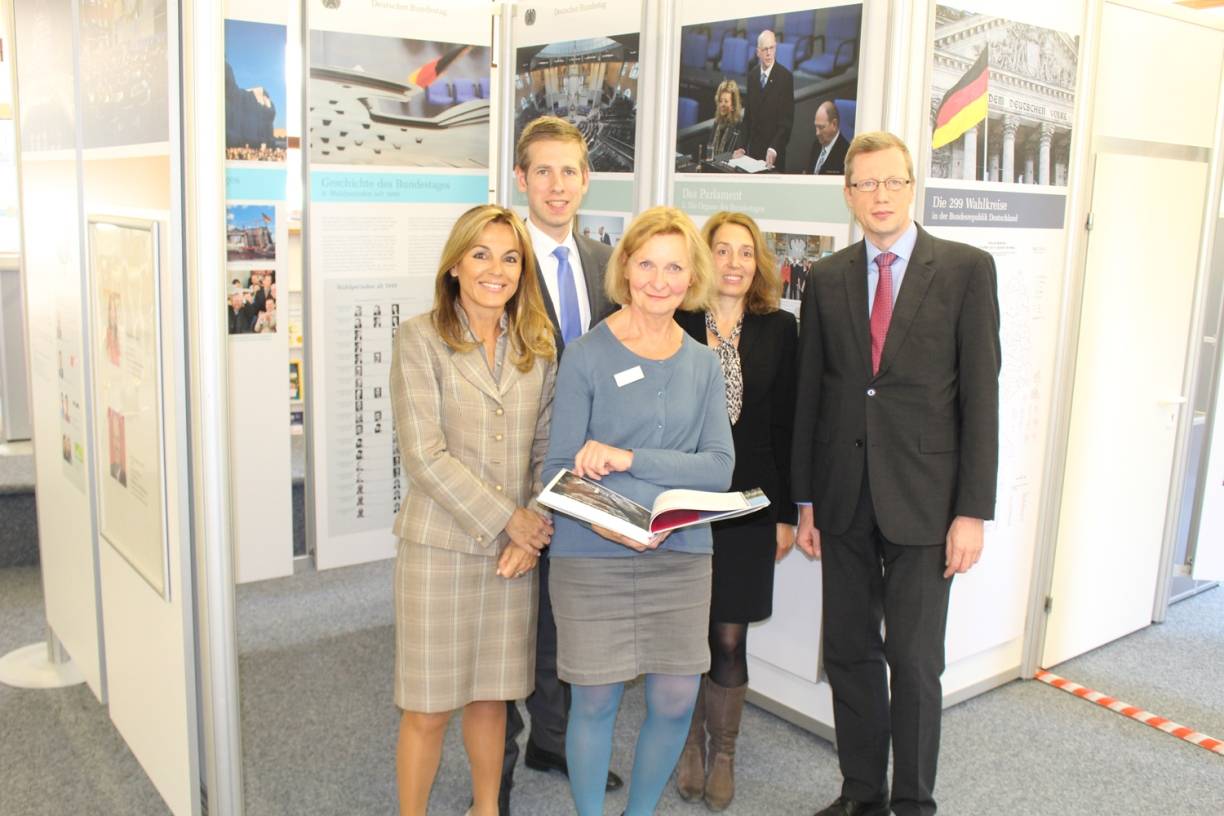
257	113
52	263
400	104
583	62
1001	186
131	169
803	216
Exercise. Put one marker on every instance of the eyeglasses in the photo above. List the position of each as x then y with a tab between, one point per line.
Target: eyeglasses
892	185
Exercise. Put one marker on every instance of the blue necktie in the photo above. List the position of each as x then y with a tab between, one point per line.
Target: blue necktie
764	78
571	317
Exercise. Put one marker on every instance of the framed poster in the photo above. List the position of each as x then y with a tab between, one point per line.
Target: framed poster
124	281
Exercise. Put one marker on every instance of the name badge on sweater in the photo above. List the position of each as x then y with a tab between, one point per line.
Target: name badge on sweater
629	375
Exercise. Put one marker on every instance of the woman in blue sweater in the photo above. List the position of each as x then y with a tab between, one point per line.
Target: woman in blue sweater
640	406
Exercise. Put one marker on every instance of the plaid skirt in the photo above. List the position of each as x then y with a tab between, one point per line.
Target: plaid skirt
462	633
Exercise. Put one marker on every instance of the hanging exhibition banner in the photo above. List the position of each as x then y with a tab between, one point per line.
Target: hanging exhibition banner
1002	102
581	62
126	349
762	102
255	291
399	99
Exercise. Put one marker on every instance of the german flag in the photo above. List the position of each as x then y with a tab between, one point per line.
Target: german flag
424	76
964	105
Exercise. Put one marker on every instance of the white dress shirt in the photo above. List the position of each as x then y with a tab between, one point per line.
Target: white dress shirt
543	245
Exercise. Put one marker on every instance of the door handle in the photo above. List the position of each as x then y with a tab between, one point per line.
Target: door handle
1172	401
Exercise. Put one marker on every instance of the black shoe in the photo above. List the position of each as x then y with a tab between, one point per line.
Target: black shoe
849	807
503	801
537	759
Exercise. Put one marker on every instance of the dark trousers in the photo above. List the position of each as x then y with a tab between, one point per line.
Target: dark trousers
868	579
549	704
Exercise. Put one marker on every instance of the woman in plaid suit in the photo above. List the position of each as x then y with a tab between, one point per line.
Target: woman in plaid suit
472	389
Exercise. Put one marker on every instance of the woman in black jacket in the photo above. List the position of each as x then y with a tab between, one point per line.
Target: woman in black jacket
756	345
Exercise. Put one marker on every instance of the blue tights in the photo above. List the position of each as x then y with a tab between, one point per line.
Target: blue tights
588	740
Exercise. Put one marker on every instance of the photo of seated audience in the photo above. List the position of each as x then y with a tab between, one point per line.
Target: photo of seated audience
254	91
590	83
124	74
780	71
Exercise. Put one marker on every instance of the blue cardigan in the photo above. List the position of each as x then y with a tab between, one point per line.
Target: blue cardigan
673	418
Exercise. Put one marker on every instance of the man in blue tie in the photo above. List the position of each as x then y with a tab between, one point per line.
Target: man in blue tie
552	170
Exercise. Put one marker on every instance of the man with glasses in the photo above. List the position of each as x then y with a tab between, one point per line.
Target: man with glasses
769	109
894	466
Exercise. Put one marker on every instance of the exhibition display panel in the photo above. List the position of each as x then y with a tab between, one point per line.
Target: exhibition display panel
408	115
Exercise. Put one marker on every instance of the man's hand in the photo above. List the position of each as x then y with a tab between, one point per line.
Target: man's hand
771	156
739	151
595	460
528	530
808	537
964	544
515	562
786	540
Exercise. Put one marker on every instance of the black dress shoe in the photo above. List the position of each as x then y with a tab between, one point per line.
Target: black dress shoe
849	807
503	801
537	759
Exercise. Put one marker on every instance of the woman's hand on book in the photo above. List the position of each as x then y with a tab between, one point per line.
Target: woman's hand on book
595	460
528	530
515	562
655	540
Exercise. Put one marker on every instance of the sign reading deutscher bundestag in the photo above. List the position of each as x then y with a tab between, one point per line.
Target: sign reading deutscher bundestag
1002	111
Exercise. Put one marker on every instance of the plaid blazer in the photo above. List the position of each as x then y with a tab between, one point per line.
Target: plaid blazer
473	449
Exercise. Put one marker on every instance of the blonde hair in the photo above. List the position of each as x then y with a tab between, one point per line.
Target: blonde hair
549	128
530	330
663	221
732	87
765	292
873	142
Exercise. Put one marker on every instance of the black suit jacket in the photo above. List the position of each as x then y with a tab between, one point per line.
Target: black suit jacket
835	164
762	435
594	257
769	112
926	426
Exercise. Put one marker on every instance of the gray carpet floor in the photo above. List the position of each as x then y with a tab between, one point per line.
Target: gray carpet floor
319	725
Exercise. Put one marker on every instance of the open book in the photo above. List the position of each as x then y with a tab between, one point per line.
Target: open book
594	503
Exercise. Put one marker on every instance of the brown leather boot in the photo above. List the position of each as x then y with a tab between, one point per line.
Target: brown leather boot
724	707
690	770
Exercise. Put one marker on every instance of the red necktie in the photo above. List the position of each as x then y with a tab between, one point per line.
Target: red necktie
881	308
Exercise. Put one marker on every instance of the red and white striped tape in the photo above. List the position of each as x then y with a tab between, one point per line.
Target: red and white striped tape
1134	712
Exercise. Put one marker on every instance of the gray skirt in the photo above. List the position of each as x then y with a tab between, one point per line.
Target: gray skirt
620	618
